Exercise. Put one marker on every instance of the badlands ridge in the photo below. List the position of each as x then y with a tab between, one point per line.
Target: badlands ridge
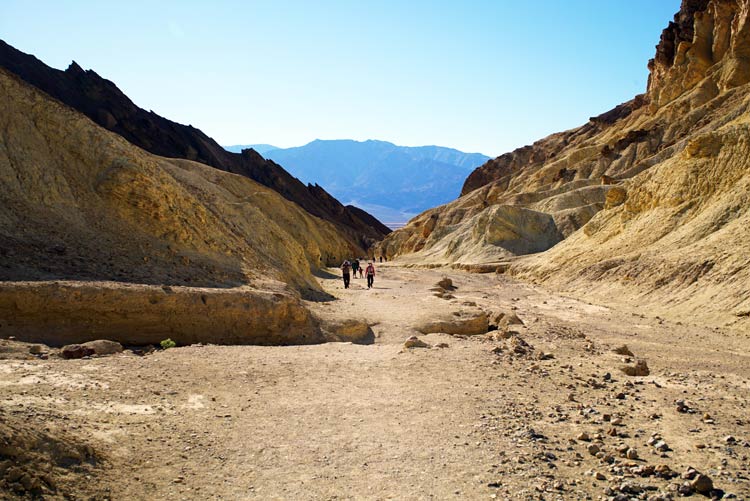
577	323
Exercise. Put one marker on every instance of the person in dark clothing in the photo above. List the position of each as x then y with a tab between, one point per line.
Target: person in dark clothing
381	259
346	267
370	274
355	266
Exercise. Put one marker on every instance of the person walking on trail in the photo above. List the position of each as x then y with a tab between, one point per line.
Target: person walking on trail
361	269
346	266
370	273
355	266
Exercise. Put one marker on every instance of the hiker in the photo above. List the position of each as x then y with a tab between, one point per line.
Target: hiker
355	266
361	270
345	267
381	259
370	272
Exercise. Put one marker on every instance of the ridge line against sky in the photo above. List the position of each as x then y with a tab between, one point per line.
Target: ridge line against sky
479	76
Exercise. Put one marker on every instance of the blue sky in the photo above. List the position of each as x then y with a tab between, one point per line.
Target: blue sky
479	75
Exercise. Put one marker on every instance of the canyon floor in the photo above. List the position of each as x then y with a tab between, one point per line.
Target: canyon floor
555	420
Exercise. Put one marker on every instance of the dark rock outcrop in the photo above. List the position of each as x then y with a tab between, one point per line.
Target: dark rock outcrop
105	104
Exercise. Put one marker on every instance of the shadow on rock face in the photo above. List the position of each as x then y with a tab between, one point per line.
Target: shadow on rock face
317	296
321	273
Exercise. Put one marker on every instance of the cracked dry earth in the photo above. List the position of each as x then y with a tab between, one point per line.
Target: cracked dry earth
344	421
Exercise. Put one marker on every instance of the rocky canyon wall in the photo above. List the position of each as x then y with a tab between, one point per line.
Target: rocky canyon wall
81	205
659	181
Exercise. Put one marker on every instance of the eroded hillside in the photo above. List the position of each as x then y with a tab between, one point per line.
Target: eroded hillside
649	198
104	103
212	254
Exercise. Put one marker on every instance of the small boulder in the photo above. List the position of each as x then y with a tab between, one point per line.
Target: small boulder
103	347
446	284
702	483
72	351
36	349
464	322
639	369
415	342
661	446
503	319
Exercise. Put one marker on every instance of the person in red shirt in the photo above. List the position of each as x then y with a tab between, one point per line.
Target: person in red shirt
370	273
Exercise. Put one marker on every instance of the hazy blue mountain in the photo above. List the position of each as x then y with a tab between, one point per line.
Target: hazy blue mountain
391	182
260	148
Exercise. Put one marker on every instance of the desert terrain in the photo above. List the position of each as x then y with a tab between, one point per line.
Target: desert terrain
533	410
575	325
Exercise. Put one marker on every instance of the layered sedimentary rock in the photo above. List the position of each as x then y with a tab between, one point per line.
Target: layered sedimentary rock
59	313
105	104
81	204
651	195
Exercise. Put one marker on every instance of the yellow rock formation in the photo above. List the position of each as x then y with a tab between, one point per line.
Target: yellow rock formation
651	197
82	204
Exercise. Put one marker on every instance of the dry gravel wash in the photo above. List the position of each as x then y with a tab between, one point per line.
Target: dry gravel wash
343	421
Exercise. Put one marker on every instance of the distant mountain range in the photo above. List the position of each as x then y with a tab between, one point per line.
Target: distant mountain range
391	182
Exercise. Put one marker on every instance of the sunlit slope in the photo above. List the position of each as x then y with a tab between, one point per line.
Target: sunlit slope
652	192
81	202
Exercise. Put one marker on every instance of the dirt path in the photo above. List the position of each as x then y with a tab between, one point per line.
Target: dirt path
343	421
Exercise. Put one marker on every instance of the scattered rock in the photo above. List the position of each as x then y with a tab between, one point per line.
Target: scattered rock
690	473
639	369
464	322
415	342
685	489
446	284
664	471
103	347
661	446
503	319
683	407
72	351
36	349
702	483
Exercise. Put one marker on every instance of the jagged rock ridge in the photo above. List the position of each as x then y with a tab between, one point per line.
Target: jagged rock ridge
649	196
104	103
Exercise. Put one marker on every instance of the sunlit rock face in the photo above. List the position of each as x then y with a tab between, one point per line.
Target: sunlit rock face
650	196
100	239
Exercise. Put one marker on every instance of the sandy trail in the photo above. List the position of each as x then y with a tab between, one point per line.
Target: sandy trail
343	421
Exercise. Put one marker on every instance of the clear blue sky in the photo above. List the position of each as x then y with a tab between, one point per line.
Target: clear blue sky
478	75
